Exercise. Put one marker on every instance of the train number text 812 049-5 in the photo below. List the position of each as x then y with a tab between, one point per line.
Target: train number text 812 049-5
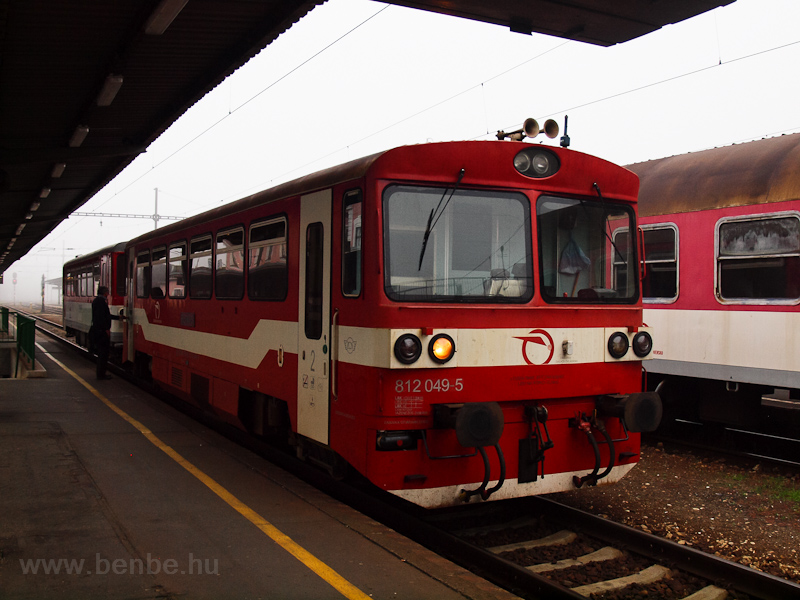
412	386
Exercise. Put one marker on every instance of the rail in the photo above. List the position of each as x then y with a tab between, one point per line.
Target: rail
19	332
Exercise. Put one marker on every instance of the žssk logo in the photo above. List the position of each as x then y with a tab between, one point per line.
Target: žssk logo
537	347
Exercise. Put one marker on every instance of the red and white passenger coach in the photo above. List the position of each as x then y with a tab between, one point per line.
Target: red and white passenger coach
722	289
452	320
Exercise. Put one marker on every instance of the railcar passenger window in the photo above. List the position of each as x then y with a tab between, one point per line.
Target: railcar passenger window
581	259
660	283
478	246
758	259
143	274
229	273
177	271
351	244
158	284
267	272
200	267
95	275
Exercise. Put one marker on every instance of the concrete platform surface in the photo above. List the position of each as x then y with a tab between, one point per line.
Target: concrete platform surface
91	506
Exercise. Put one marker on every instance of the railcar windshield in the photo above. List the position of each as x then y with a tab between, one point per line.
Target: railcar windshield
582	259
478	246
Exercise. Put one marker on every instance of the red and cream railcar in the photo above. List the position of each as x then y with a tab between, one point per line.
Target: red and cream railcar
722	285
452	320
81	278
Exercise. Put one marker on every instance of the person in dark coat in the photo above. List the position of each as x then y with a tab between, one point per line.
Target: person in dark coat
100	331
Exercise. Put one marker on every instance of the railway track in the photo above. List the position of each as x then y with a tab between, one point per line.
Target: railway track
776	443
590	556
533	547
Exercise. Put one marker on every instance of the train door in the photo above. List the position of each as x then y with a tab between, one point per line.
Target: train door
128	352
313	377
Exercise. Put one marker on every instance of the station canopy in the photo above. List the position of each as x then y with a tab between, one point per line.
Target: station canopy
86	86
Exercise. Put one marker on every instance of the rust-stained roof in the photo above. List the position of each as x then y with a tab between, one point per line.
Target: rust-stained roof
757	172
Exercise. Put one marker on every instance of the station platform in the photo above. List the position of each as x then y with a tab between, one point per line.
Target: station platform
106	492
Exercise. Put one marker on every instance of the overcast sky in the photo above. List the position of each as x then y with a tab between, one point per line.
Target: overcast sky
355	77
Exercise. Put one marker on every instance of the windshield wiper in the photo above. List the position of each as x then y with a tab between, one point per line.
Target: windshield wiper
431	223
605	210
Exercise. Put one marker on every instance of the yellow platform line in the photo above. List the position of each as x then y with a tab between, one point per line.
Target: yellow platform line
347	589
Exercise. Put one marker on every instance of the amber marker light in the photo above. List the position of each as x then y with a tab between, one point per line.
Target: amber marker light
441	348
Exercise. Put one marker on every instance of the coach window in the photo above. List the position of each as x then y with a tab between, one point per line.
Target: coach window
143	274
758	259
351	244
660	283
158	288
229	276
200	265
177	270
267	273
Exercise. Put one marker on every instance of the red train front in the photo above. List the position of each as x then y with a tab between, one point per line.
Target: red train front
454	321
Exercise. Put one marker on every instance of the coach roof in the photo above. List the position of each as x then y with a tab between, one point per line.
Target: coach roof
757	172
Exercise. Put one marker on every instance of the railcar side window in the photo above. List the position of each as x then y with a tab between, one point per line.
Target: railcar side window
177	270
95	279
158	285
351	244
267	272
229	274
758	259
478	246
581	259
660	283
201	262
143	274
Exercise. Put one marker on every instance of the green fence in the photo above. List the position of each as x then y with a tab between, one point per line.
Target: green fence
26	340
20	331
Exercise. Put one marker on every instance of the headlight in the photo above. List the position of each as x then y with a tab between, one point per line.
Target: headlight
618	344
407	348
541	164
522	162
642	344
536	162
441	348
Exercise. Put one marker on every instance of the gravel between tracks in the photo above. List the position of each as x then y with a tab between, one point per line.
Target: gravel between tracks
736	508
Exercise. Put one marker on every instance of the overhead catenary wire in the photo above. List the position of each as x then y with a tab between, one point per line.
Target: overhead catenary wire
432	106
